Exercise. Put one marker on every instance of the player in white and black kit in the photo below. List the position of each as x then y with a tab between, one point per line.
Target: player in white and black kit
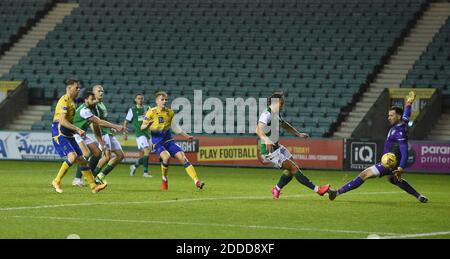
272	151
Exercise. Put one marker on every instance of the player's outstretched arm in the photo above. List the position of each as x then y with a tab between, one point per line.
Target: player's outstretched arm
409	101
289	128
179	131
106	124
411	98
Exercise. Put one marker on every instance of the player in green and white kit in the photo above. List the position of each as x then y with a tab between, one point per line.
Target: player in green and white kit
112	145
135	116
273	152
85	117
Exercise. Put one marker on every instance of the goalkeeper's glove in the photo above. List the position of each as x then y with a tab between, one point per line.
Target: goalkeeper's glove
411	97
398	173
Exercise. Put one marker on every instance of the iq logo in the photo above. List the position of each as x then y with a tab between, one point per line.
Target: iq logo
362	154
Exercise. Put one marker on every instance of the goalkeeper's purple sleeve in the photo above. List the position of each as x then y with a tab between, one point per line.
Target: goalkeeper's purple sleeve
407	113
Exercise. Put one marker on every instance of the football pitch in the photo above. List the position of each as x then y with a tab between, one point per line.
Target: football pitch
236	203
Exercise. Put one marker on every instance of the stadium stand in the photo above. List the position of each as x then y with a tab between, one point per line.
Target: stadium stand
16	15
321	53
433	67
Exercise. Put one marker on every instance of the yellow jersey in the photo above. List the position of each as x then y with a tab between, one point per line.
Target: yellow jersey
65	105
160	128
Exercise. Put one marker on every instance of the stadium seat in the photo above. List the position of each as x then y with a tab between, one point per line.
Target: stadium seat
320	56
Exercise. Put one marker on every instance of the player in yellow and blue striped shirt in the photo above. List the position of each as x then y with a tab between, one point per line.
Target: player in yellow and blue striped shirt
63	138
159	121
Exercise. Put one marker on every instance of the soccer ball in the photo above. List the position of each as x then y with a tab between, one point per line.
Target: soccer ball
389	160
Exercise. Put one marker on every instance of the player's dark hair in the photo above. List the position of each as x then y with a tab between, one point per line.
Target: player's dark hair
397	110
87	94
71	82
136	95
158	94
275	95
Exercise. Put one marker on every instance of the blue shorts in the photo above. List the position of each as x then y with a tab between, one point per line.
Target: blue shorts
64	145
170	146
381	171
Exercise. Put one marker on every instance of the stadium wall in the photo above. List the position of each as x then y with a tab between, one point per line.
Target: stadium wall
13	104
220	151
427	118
424	156
375	116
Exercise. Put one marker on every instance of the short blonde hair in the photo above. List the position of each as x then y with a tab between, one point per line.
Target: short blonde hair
158	94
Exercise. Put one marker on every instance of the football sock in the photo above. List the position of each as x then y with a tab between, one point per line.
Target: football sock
145	163
88	175
79	167
97	170
108	168
404	185
190	170
93	161
304	180
140	161
284	180
164	171
353	184
78	175
63	170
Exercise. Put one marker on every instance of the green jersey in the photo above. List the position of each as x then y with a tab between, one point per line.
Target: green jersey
82	115
135	116
266	118
103	114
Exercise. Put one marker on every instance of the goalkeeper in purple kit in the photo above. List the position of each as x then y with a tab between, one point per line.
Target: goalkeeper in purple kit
395	149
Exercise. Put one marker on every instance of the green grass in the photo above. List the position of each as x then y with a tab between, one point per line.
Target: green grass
236	203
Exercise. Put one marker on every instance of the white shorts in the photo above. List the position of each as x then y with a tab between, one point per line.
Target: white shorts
86	139
111	142
278	156
143	142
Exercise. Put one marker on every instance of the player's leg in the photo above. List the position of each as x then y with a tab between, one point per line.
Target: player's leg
87	173
102	162
96	155
282	158
404	185
143	144
145	158
291	170
77	181
68	149
285	178
164	156
368	173
135	165
140	161
190	170
116	149
113	162
105	157
71	158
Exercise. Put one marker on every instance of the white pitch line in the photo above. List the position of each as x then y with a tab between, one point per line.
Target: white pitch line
416	235
201	224
173	201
